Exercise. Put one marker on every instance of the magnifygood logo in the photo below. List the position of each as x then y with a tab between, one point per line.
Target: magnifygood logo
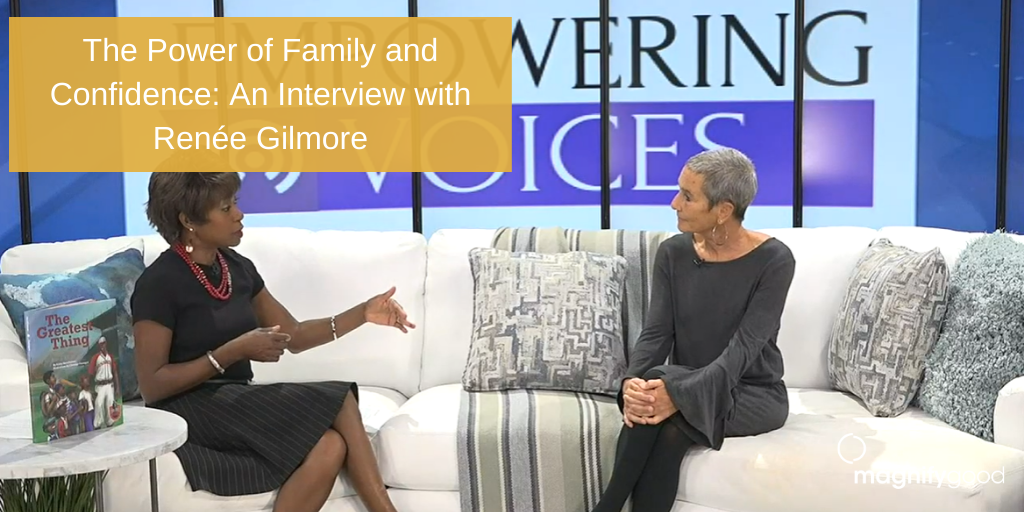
852	448
858	453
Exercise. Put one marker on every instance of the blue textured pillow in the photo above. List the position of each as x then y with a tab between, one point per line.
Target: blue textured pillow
981	347
113	278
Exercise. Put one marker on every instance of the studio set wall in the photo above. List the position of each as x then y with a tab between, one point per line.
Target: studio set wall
856	112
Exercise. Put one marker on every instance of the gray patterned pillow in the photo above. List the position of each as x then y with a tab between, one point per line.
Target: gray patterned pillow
546	321
889	320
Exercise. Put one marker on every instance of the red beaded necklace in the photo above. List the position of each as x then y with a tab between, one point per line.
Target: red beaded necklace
222	292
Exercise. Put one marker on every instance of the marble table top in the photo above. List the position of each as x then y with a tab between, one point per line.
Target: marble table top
145	434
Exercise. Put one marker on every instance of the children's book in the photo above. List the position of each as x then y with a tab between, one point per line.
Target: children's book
73	352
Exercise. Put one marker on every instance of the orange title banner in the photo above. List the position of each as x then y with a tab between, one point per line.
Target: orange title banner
320	94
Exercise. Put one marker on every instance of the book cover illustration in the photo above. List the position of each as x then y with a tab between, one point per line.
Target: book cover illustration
72	353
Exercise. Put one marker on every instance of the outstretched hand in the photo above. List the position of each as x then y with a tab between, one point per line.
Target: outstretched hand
384	310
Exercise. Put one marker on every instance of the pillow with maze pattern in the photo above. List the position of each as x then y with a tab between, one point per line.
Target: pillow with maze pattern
546	321
888	322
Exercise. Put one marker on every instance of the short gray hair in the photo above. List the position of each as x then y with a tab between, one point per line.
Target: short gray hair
728	176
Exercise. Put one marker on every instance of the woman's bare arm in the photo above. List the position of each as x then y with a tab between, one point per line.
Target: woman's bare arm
310	333
159	379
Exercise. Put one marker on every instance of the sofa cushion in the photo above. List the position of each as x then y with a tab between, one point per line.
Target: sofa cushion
825	258
448	318
950	242
347	267
426	501
14	390
546	321
46	258
981	348
316	274
113	276
833	455
417	448
49	257
887	324
377	406
127	488
797	468
1008	416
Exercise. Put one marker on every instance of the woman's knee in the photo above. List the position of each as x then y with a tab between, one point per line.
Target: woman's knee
654	373
671	439
331	448
351	406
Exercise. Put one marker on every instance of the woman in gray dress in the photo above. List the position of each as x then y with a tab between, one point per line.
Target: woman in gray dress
717	297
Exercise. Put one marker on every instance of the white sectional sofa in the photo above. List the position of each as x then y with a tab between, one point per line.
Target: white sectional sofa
410	382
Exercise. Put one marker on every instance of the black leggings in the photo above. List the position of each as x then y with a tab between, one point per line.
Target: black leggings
647	466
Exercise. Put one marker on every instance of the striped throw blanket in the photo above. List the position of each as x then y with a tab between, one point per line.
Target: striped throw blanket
550	451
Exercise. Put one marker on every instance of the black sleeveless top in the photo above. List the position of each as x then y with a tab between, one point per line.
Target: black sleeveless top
169	294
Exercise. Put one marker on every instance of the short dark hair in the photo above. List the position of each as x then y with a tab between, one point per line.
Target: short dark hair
177	186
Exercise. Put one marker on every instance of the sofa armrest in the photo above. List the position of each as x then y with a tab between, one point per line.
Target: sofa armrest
13	369
1008	420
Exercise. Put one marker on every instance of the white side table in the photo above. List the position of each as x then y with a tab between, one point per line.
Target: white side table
145	435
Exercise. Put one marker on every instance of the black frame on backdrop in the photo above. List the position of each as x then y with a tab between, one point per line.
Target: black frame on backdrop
1002	152
1003	134
798	113
606	116
24	197
417	178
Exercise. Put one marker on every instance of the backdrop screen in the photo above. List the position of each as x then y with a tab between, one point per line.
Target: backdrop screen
899	120
278	191
686	76
694	76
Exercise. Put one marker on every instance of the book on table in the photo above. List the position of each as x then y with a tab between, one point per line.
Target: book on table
72	350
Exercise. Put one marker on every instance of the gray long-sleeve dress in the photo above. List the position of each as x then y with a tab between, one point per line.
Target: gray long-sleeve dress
720	322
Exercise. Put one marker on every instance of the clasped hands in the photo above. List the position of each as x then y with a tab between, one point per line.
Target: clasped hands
646	402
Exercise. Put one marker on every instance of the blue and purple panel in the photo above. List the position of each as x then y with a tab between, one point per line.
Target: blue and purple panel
563	165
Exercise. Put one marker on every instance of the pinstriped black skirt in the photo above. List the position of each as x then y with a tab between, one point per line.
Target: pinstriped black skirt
247	438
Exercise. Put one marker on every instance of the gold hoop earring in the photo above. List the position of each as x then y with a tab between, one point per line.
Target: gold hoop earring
714	230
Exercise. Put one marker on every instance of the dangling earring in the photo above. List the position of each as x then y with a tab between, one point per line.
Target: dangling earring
713	238
188	246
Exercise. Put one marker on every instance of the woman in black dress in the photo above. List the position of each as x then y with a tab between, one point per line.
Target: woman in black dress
717	296
201	314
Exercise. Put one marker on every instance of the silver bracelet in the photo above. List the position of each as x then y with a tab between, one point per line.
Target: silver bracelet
213	360
334	330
